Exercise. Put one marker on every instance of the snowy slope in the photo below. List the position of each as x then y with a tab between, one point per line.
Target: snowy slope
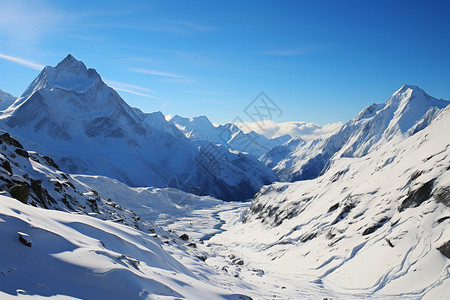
227	134
370	226
6	100
407	111
83	250
52	253
70	114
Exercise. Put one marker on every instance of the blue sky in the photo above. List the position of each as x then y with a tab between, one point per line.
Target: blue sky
319	61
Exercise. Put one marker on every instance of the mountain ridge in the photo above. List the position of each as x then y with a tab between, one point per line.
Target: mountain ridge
69	113
406	111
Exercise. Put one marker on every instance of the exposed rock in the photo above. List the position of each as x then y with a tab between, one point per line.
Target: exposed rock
445	249
50	162
10	141
333	207
25	239
442	195
238	261
36	187
344	212
22	152
7	166
308	237
442	219
389	243
193	245
184	237
20	192
373	228
415	175
418	196
202	257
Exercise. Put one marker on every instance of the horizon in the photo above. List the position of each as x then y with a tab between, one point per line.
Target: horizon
214	60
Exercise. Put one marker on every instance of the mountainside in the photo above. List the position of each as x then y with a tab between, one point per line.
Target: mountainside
6	100
70	114
63	238
228	134
406	112
376	223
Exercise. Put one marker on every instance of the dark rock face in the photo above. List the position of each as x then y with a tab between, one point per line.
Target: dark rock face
445	249
417	197
50	162
442	195
373	228
20	192
25	239
333	207
344	212
5	137
184	237
7	166
22	152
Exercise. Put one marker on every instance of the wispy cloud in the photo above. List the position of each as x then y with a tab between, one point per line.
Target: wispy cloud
136	93
123	85
23	62
157	73
296	51
131	89
24	23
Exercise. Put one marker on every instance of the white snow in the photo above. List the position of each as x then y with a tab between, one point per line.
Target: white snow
409	110
6	100
70	114
86	258
228	134
369	222
350	229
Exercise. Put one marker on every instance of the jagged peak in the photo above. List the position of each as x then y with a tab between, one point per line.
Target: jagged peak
72	65
202	118
410	86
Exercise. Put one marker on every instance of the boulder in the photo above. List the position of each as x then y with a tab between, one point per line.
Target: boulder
184	237
19	192
445	249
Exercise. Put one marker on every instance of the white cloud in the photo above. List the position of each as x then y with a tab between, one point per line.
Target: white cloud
307	131
131	89
123	85
24	22
23	62
156	73
136	93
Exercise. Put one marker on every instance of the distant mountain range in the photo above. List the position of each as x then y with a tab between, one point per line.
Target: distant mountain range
406	112
70	114
360	212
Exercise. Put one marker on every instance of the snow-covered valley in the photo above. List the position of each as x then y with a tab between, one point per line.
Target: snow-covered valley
99	200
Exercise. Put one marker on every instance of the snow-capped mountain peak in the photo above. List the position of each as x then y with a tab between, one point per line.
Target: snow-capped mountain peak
68	112
70	74
406	112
